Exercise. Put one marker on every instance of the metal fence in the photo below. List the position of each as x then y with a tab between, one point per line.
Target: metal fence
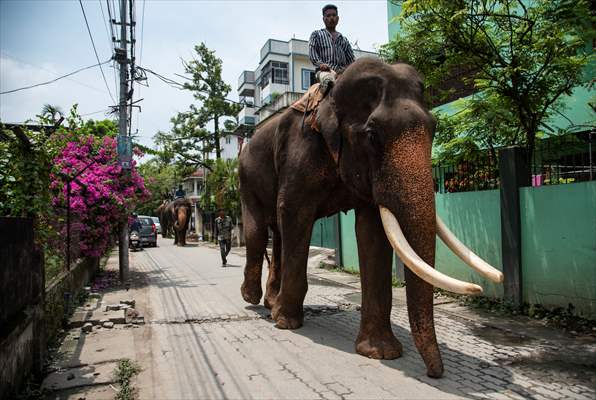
478	171
556	160
565	159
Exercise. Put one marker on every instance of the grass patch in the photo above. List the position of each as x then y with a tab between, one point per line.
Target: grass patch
124	372
559	317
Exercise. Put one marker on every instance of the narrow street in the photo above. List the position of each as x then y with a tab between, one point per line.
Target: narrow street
201	341
206	342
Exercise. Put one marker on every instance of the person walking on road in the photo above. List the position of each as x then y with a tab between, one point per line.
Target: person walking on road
223	231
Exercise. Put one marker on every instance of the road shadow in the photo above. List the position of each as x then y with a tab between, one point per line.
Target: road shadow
232	266
465	374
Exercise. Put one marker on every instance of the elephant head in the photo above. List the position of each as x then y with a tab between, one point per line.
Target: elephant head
180	211
379	134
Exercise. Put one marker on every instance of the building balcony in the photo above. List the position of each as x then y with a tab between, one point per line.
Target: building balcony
279	103
246	84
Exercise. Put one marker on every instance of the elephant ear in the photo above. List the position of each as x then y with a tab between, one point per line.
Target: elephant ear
356	95
329	127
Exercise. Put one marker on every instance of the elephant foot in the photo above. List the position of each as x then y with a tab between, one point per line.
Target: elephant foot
251	293
380	346
435	369
286	320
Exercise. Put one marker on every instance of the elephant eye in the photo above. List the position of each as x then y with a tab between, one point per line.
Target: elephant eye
371	134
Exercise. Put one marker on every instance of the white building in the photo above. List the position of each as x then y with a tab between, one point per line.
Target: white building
282	76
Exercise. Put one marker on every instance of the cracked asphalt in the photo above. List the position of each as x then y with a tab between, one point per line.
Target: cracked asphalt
206	342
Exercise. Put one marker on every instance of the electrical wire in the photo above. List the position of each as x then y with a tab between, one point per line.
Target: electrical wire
95	51
105	110
141	56
105	25
57	79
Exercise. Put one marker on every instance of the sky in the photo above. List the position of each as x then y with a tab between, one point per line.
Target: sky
41	40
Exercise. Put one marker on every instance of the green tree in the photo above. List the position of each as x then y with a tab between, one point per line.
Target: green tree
523	57
222	187
190	139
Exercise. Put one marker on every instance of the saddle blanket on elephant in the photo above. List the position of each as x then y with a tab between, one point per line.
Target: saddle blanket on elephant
309	103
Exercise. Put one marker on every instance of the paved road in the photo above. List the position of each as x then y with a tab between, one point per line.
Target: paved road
203	341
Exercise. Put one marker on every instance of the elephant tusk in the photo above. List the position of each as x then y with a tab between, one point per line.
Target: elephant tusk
416	264
467	255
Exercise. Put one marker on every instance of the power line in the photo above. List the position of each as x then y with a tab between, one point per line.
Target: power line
52	72
57	79
105	110
113	37
141	55
105	25
95	51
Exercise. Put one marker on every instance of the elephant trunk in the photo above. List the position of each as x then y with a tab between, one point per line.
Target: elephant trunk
405	190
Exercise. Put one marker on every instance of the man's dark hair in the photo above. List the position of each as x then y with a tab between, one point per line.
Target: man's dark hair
329	7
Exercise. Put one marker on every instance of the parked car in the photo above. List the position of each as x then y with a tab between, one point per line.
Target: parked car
157	224
148	231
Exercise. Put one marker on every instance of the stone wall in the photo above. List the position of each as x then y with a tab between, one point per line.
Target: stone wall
22	344
31	315
62	291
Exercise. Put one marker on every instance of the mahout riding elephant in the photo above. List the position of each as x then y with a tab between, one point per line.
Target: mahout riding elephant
372	154
179	211
165	219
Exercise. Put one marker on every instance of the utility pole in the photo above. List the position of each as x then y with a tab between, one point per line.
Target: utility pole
124	142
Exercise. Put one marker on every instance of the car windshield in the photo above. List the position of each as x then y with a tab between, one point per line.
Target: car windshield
155	220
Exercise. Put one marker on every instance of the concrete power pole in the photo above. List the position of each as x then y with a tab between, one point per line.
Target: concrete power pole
124	143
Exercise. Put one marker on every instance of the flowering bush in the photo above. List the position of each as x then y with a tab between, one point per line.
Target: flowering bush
102	195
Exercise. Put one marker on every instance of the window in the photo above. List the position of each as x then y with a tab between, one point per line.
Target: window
228	140
308	78
280	72
276	72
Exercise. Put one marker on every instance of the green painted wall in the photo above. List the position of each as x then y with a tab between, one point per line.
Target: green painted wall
475	218
323	233
559	245
349	248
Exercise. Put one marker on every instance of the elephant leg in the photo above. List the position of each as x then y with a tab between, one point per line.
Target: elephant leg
274	278
296	229
375	339
255	232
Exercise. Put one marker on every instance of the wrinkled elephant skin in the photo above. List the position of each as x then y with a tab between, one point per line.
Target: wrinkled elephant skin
373	150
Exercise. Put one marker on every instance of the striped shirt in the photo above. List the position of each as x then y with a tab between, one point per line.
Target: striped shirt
323	49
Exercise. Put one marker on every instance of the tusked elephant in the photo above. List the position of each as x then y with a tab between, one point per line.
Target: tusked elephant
179	213
372	154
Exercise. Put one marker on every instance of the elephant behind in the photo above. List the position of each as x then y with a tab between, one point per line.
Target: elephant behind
165	219
369	149
179	211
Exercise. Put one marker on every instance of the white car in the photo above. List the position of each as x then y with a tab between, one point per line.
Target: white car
157	224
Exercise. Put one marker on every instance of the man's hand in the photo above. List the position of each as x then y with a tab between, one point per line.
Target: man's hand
324	67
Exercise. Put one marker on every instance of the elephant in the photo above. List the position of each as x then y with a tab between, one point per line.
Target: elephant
165	219
367	148
179	211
